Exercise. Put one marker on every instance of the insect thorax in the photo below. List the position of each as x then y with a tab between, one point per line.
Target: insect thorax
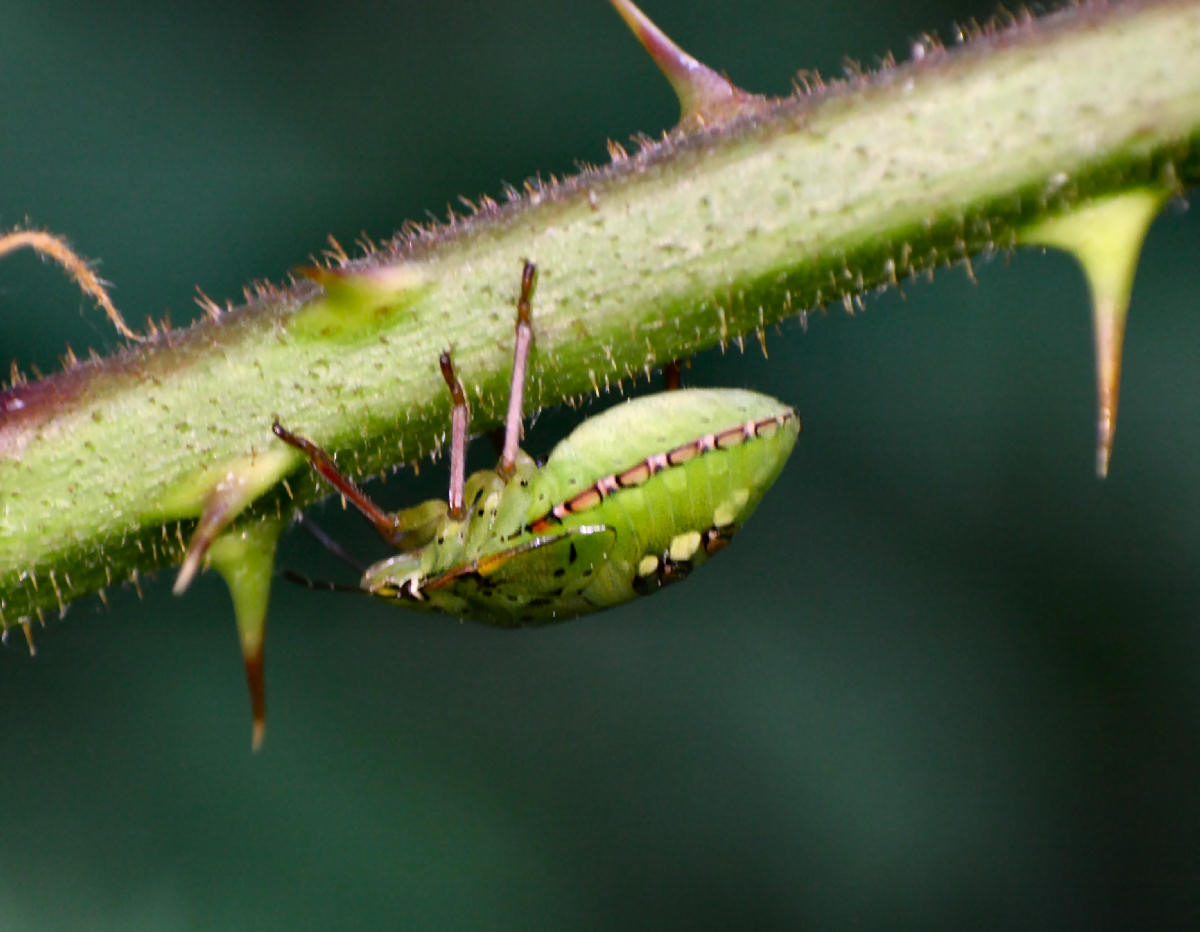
434	543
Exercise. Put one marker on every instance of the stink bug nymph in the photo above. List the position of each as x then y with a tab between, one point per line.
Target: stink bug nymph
631	500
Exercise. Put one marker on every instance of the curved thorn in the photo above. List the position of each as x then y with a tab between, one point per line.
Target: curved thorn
218	512
704	95
225	492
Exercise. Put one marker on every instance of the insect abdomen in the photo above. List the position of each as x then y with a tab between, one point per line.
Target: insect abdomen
673	474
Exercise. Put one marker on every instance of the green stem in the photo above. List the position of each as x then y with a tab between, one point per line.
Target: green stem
698	240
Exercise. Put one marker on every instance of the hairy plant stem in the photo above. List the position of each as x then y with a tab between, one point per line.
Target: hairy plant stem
696	240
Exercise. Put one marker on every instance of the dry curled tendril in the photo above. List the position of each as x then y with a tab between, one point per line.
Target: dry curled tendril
56	248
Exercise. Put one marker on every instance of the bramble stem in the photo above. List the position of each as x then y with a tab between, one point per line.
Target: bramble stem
690	243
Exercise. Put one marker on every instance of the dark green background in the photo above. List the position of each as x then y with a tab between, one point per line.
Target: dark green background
946	678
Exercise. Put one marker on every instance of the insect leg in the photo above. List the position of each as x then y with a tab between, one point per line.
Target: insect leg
496	436
516	392
458	439
329	543
671	376
323	463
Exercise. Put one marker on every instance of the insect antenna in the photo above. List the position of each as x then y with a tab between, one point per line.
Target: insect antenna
330	544
333	547
319	584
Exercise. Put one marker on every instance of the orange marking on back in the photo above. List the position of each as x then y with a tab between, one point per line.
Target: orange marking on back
635	476
682	454
589	498
733	437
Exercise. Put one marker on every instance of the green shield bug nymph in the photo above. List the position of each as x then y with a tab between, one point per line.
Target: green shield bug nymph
631	500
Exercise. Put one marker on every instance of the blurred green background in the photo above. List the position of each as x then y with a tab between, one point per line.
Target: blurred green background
946	678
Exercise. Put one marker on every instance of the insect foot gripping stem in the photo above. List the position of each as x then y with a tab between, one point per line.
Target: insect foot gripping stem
633	500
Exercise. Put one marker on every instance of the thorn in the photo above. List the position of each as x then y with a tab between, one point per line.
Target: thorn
27	628
241	482
256	682
222	506
704	95
1109	323
350	283
245	559
1106	237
